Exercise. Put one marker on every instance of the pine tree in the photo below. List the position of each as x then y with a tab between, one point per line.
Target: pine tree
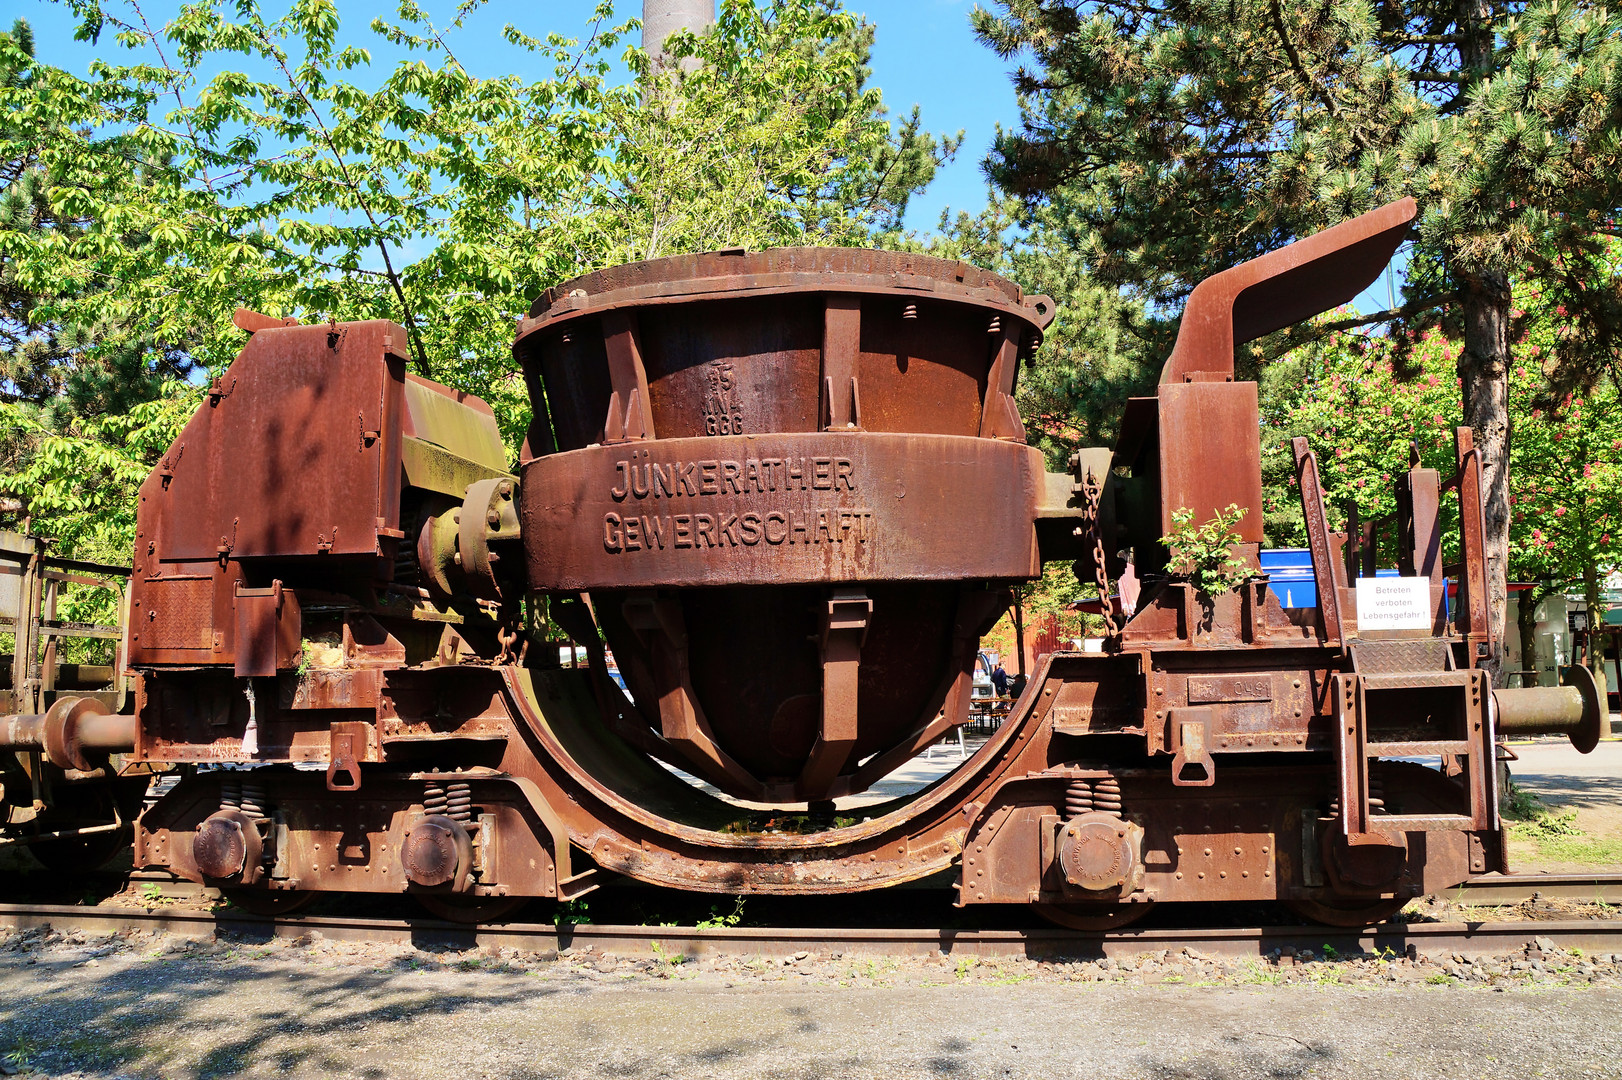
68	367
1178	139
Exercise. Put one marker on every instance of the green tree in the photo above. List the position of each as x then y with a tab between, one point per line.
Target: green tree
1180	139
257	161
92	366
1363	417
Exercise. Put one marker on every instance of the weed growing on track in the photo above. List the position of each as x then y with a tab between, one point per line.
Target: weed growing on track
718	921
668	962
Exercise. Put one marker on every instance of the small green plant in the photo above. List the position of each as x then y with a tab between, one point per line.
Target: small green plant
1440	979
718	921
152	894
20	1056
1330	952
1522	803
574	913
668	961
1548	825
1203	554
1257	973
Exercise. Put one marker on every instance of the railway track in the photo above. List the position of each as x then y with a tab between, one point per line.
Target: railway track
1484	937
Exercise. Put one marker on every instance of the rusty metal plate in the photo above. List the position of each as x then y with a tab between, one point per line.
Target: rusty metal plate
686	278
1210	455
779	509
1209	689
176	613
288	458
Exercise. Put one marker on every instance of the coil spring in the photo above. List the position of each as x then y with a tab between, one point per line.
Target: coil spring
1107	795
995	326
1376	797
1078	798
459	802
433	799
910	311
406	570
230	792
254	802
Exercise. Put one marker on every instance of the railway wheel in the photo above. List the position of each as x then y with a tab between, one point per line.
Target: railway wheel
1348	911
270	903
1092	917
470	909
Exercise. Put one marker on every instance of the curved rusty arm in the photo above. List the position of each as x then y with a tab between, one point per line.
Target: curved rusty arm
1282	288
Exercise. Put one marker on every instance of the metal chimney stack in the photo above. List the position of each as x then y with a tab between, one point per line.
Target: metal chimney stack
661	18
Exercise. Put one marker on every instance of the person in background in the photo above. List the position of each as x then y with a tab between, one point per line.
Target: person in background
1017	686
999	680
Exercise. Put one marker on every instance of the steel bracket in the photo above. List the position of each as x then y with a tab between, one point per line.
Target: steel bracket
1191	764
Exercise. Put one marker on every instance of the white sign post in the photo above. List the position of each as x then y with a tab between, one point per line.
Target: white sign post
1394	603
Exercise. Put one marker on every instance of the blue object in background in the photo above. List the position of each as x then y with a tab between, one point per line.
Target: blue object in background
1289	575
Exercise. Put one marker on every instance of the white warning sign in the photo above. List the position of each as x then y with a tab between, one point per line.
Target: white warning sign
1394	603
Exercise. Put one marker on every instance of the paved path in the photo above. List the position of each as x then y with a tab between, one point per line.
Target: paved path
1554	768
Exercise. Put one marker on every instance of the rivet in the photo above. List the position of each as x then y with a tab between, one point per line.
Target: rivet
1207	853
1223	874
1202	875
1244	873
1179	875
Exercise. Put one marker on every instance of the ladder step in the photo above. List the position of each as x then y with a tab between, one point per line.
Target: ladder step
1418	749
1420	822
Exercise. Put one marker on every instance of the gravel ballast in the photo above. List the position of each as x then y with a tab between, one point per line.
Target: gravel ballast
137	1004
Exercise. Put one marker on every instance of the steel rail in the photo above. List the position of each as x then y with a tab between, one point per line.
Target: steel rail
1488	890
1492	890
1421	938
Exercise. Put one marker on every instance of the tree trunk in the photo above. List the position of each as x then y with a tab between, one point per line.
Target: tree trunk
1596	619
1019	633
1484	374
1526	619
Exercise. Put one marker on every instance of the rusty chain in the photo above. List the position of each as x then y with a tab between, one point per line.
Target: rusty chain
507	637
1092	493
